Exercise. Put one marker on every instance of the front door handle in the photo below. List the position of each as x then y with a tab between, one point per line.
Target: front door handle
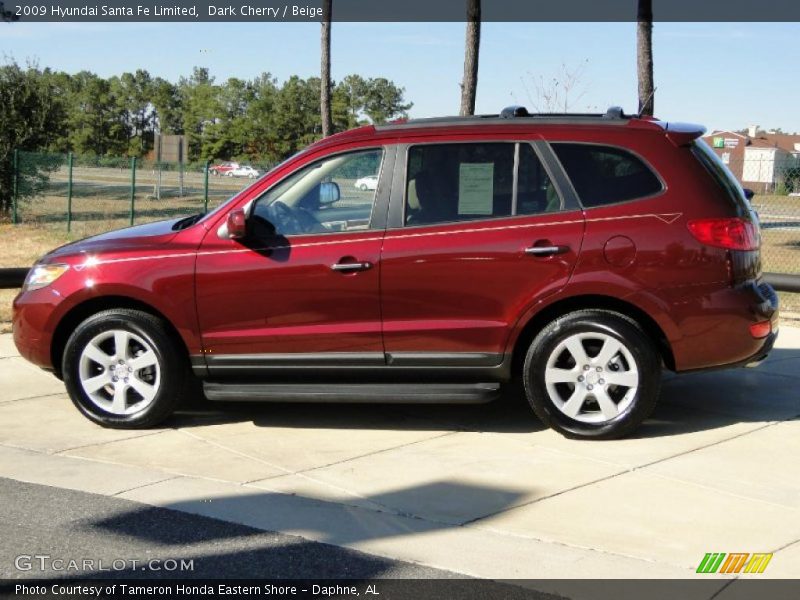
546	250
351	267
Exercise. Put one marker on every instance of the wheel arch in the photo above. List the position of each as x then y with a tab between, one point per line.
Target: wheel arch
87	308
566	305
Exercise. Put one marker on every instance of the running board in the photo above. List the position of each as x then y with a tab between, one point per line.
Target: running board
388	393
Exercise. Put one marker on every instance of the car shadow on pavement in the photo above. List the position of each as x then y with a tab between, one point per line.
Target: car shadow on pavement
688	403
230	547
702	401
508	414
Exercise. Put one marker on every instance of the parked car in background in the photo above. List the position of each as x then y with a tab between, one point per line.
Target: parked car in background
578	255
244	171
370	182
223	168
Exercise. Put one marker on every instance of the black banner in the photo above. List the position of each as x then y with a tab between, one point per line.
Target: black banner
405	589
400	10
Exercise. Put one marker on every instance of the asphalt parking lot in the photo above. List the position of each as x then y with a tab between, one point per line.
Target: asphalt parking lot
481	490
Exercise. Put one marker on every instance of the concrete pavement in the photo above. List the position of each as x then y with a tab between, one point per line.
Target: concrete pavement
480	490
43	528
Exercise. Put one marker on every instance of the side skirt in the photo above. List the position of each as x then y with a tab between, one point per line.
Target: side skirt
390	393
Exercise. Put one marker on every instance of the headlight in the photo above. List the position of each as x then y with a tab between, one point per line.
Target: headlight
43	275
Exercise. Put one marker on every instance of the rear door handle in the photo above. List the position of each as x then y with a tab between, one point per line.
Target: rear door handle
351	267
546	250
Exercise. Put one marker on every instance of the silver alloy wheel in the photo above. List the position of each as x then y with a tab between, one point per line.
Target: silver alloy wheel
119	371
591	377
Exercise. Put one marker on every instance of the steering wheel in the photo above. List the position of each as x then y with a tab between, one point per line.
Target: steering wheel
284	218
309	222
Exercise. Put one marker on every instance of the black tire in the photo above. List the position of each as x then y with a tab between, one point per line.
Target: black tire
637	406
174	382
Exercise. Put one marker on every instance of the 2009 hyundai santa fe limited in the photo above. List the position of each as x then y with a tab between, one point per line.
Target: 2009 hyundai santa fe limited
580	254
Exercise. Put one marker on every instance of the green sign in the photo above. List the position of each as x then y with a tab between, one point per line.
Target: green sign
719	142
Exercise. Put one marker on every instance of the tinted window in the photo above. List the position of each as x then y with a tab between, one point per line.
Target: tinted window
455	182
722	175
535	191
605	175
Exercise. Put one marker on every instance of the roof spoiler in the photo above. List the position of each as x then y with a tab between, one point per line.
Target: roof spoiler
681	134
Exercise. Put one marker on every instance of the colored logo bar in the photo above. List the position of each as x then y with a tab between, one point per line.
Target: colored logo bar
734	562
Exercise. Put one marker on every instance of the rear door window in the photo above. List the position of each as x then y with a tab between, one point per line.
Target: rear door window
604	175
461	182
458	182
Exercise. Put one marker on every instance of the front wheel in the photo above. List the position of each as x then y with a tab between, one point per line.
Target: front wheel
124	370
592	374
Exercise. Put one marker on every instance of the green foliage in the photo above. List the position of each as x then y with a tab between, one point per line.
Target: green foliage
382	100
34	172
31	117
256	121
790	180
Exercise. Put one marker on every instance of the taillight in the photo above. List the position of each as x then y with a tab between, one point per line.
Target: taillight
729	233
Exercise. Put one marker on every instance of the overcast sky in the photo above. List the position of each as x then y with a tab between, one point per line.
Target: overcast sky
724	75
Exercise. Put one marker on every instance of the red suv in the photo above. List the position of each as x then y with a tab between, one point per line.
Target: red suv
580	254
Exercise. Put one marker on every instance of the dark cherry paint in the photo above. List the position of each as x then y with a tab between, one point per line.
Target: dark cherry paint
452	288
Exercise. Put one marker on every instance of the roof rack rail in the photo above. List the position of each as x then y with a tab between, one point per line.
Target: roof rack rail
613	112
510	112
614	115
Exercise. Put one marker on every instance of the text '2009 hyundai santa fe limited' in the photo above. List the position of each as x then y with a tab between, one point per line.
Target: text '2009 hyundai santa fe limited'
580	254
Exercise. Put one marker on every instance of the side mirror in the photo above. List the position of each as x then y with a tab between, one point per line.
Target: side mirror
748	193
328	192
236	224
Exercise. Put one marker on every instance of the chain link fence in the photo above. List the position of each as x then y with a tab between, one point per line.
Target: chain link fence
774	177
88	195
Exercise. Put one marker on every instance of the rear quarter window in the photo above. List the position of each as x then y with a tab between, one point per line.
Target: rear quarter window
605	174
722	176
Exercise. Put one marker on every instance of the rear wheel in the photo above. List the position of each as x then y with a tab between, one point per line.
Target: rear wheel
592	374
123	369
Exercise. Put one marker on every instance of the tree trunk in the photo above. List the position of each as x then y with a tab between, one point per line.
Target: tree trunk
644	57
325	71
469	85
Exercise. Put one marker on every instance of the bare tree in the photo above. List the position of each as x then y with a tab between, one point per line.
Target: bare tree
325	70
559	93
469	84
644	57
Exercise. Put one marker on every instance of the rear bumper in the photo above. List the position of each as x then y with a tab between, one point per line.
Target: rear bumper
762	354
735	346
769	309
721	329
